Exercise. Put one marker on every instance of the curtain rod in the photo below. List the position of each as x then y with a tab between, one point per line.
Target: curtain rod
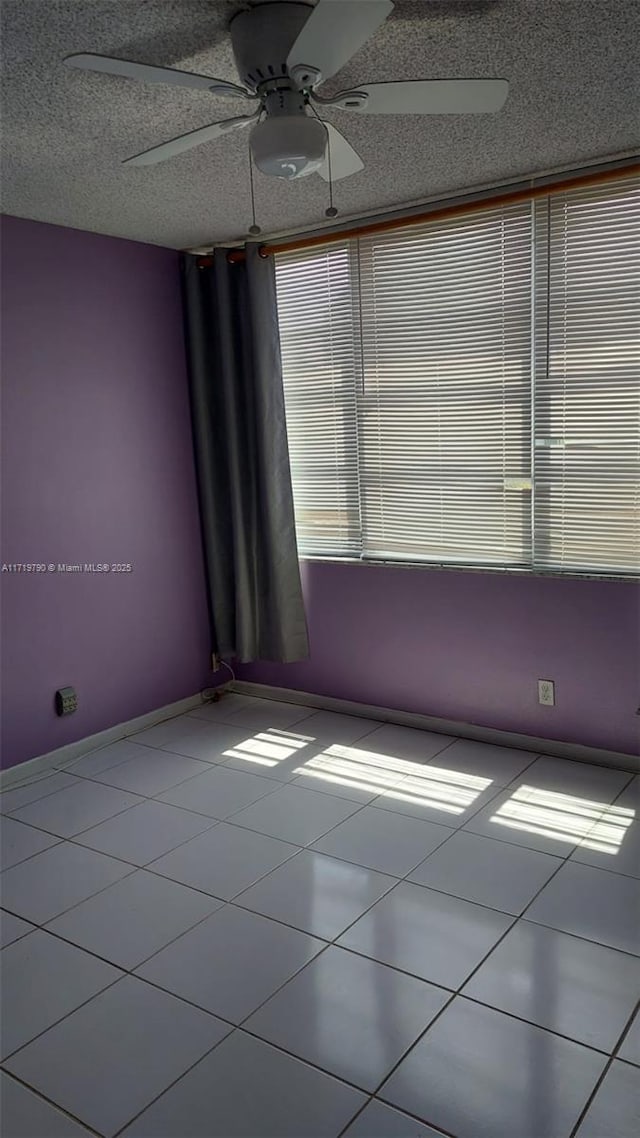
509	198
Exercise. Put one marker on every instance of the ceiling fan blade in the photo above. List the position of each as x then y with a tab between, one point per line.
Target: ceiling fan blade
335	30
426	97
146	73
344	159
188	141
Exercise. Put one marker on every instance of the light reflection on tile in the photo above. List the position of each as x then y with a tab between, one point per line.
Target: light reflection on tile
565	817
453	792
268	748
349	766
368	772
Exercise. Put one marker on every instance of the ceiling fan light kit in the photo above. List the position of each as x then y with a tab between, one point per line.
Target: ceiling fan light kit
288	146
283	52
286	142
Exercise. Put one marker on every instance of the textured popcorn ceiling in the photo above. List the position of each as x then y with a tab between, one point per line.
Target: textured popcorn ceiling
574	99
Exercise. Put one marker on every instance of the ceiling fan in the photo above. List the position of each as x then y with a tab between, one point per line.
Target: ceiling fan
283	52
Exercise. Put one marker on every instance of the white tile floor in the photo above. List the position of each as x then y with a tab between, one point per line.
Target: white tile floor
263	921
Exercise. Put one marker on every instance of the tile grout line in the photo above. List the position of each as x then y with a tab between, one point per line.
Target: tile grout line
277	1047
309	712
82	845
424	764
131	739
130	972
265	1043
372	802
50	1102
11	1054
615	1054
607	1067
42	925
157	797
530	1023
42	778
154	1100
206	829
96	778
140	978
405	972
563	860
455	830
70	765
575	845
401	1110
235	901
64	837
59	841
126	809
135	868
225	901
201	1060
327	944
279	785
459	990
229	821
92	778
240	1025
331	943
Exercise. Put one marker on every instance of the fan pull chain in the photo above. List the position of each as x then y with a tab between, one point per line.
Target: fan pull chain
254	228
331	211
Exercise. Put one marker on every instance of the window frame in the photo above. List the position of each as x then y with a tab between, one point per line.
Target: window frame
433	564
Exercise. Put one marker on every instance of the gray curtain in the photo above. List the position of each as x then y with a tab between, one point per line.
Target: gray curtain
242	459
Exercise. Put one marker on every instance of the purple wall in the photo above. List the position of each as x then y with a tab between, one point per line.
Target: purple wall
471	646
97	467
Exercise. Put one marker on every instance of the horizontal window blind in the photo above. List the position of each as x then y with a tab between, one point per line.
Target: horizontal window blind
468	390
320	366
445	442
587	380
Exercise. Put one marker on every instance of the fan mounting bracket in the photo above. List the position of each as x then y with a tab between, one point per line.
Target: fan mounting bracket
282	97
262	38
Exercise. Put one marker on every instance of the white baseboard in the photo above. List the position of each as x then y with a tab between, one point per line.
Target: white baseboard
63	755
446	726
59	758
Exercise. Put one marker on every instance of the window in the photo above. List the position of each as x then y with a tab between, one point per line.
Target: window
467	391
587	381
319	348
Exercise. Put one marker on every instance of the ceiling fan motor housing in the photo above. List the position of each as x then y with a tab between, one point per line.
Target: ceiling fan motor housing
262	38
286	143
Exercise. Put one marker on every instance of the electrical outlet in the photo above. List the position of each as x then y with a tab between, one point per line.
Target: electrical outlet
547	693
66	701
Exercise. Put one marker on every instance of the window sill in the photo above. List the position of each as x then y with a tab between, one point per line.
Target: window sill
441	566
